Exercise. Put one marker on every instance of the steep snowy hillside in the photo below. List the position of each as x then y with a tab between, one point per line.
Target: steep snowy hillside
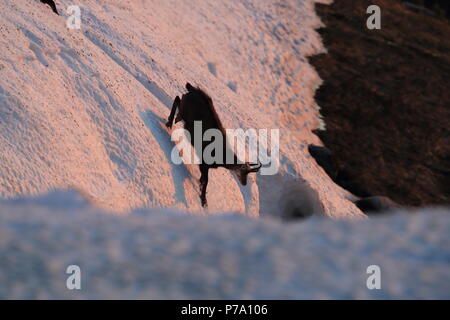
161	255
86	108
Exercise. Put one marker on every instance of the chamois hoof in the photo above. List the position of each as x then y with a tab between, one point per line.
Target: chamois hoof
169	125
52	5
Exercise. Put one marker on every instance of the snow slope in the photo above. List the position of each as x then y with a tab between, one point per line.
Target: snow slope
85	108
161	254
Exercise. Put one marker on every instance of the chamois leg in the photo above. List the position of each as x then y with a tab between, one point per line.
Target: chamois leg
175	105
203	183
51	3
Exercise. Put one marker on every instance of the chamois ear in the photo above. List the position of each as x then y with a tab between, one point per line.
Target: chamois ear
189	87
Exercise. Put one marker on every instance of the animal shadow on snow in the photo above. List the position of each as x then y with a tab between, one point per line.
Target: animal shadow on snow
156	126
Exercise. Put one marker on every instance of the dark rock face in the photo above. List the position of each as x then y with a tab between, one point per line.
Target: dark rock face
368	204
52	5
376	205
439	7
348	182
324	158
385	101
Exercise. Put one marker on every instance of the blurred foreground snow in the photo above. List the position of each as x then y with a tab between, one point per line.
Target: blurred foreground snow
157	254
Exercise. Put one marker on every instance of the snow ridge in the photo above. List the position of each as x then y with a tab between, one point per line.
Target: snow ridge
85	108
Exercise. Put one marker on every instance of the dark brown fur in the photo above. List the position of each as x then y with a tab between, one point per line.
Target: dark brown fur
196	105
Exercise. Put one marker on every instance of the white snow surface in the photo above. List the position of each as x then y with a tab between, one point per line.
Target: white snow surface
162	254
85	109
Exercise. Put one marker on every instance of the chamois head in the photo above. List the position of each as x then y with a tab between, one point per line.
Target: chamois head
243	170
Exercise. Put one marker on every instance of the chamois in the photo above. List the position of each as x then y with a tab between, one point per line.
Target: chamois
196	105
